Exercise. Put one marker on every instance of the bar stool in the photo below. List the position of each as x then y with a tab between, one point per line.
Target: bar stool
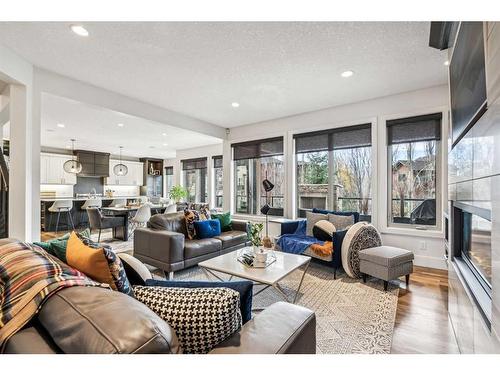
90	203
64	206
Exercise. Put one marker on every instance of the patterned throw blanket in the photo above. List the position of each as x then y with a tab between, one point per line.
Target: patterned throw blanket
28	276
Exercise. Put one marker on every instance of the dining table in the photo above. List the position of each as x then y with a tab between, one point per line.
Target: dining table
128	212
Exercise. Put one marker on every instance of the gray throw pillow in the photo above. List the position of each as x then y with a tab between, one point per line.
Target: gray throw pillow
313	218
341	222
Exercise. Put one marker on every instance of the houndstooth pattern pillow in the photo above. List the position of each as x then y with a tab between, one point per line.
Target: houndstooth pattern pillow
201	317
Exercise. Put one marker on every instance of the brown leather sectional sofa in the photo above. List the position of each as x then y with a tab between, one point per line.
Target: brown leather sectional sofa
164	243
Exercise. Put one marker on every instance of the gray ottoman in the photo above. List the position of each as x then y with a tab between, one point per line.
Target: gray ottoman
386	263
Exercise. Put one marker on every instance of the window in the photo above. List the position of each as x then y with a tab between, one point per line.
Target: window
218	181
195	179
413	146
254	162
169	179
334	170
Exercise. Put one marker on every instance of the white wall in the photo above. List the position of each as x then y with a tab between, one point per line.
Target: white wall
428	246
24	173
192	153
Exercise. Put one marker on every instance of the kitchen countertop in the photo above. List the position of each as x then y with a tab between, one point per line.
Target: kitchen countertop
85	198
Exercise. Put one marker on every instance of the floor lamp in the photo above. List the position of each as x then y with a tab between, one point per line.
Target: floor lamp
268	186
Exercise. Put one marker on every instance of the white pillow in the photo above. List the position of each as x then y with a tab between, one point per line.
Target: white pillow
312	218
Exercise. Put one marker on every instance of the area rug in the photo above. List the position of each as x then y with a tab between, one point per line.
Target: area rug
351	317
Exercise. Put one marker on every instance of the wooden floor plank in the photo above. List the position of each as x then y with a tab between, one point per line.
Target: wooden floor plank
422	324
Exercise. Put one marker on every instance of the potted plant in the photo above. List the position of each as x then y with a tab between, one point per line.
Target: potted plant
255	235
177	192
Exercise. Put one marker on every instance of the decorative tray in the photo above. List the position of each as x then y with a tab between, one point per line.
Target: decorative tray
248	259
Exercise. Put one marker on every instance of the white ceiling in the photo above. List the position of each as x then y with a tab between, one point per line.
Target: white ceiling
97	129
272	69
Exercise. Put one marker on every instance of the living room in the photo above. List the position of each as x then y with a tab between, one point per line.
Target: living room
292	187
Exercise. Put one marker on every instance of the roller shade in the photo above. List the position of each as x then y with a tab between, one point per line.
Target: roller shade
169	171
334	139
217	161
414	129
190	164
258	149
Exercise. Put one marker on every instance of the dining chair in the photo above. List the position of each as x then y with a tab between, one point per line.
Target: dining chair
89	203
64	206
140	218
99	221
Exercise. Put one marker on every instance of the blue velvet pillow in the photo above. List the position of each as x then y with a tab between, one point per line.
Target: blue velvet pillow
207	228
340	213
244	288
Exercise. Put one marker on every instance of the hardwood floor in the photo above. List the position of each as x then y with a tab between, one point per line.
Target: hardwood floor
422	324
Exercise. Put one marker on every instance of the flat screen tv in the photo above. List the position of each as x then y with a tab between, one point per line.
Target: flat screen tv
467	79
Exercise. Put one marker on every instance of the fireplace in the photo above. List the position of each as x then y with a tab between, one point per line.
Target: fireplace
472	252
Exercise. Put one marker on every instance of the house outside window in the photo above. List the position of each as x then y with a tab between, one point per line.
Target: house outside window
218	180
413	155
255	161
194	175
334	170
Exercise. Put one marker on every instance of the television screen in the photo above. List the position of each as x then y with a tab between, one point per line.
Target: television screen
467	79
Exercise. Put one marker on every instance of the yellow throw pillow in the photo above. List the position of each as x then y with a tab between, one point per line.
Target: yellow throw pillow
91	262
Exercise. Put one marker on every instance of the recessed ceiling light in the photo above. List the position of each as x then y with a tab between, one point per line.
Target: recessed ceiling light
165	144
164	134
235	104
446	63
347	74
120	125
79	30
60	125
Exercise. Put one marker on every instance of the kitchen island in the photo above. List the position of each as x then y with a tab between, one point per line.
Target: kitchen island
79	216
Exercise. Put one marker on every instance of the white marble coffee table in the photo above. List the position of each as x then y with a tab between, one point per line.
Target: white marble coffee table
268	277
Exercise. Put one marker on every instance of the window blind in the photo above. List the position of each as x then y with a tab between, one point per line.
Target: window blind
334	139
217	161
169	171
414	129
189	164
258	149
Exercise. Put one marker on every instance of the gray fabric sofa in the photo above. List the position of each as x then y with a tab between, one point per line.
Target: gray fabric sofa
164	243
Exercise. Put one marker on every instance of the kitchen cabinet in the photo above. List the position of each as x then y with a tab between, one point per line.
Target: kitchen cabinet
52	170
134	176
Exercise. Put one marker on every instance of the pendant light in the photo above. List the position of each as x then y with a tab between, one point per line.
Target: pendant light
72	165
120	169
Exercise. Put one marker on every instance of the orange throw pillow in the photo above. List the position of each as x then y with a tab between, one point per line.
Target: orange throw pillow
323	250
91	262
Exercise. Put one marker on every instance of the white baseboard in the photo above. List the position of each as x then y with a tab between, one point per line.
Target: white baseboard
430	262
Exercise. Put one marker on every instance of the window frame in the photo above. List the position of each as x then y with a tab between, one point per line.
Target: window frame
439	212
214	182
205	194
233	175
332	129
382	178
